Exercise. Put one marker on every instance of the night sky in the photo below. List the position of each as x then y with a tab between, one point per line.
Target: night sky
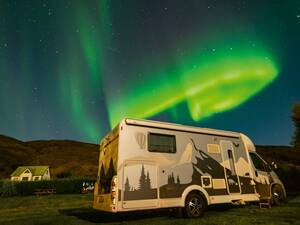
74	69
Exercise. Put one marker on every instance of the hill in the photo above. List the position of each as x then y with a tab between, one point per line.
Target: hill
282	155
81	159
77	158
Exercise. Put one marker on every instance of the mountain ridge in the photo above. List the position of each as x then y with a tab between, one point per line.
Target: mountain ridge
74	157
81	159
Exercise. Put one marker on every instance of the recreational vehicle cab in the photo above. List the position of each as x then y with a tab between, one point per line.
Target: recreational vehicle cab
148	165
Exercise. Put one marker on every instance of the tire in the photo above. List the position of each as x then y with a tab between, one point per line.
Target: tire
195	205
176	212
277	195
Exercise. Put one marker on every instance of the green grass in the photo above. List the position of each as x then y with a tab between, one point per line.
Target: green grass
77	209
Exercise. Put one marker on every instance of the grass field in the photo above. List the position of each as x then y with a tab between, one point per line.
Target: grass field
76	209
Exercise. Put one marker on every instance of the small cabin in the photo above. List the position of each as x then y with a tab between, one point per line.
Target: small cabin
31	173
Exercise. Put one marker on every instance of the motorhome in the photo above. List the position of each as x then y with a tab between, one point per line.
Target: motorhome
149	165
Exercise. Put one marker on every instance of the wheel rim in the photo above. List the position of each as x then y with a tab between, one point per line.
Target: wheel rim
277	196
195	207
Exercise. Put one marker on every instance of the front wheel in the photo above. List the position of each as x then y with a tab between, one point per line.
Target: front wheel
195	206
277	195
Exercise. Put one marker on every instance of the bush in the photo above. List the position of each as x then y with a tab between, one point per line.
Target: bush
67	174
1	183
62	186
290	177
8	189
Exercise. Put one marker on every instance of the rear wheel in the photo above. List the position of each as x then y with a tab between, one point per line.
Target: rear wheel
277	195
195	205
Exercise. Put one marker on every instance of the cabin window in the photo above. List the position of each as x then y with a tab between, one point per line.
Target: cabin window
161	143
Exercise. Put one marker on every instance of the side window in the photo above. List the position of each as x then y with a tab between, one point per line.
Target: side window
161	143
258	162
231	162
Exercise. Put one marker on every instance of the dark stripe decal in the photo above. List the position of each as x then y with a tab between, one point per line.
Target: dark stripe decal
185	131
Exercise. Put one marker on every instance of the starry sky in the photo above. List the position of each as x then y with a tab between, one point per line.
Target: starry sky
74	69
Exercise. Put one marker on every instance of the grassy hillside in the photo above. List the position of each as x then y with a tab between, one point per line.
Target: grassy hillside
78	158
282	155
81	159
288	162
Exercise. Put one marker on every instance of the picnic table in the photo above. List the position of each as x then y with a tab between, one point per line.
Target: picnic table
45	191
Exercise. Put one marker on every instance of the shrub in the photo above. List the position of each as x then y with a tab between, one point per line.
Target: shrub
1	183
290	176
8	189
62	186
66	174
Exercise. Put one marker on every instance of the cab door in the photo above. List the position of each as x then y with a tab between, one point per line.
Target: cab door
229	163
262	176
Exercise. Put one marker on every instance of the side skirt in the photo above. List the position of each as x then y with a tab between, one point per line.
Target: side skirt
179	202
234	197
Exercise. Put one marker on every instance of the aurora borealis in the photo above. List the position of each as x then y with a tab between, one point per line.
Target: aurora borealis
209	86
73	69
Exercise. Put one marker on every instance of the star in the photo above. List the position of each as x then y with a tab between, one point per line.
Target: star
49	12
34	89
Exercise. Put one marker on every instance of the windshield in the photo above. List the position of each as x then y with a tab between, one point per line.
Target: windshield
259	163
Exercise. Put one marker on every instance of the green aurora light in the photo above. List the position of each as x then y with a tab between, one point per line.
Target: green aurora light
86	76
209	83
74	69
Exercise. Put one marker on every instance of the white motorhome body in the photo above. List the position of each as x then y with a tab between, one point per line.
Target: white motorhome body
147	164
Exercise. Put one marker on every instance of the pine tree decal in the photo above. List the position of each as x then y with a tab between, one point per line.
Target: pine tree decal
148	181
102	173
178	180
111	170
171	179
144	189
127	185
142	185
103	182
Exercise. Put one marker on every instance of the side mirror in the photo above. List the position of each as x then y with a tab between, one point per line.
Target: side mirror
273	165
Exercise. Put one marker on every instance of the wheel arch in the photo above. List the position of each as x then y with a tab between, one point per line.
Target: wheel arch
195	189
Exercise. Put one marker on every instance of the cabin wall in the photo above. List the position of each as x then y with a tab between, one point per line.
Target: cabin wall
26	176
46	175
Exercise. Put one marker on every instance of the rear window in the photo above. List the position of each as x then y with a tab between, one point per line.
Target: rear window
161	143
